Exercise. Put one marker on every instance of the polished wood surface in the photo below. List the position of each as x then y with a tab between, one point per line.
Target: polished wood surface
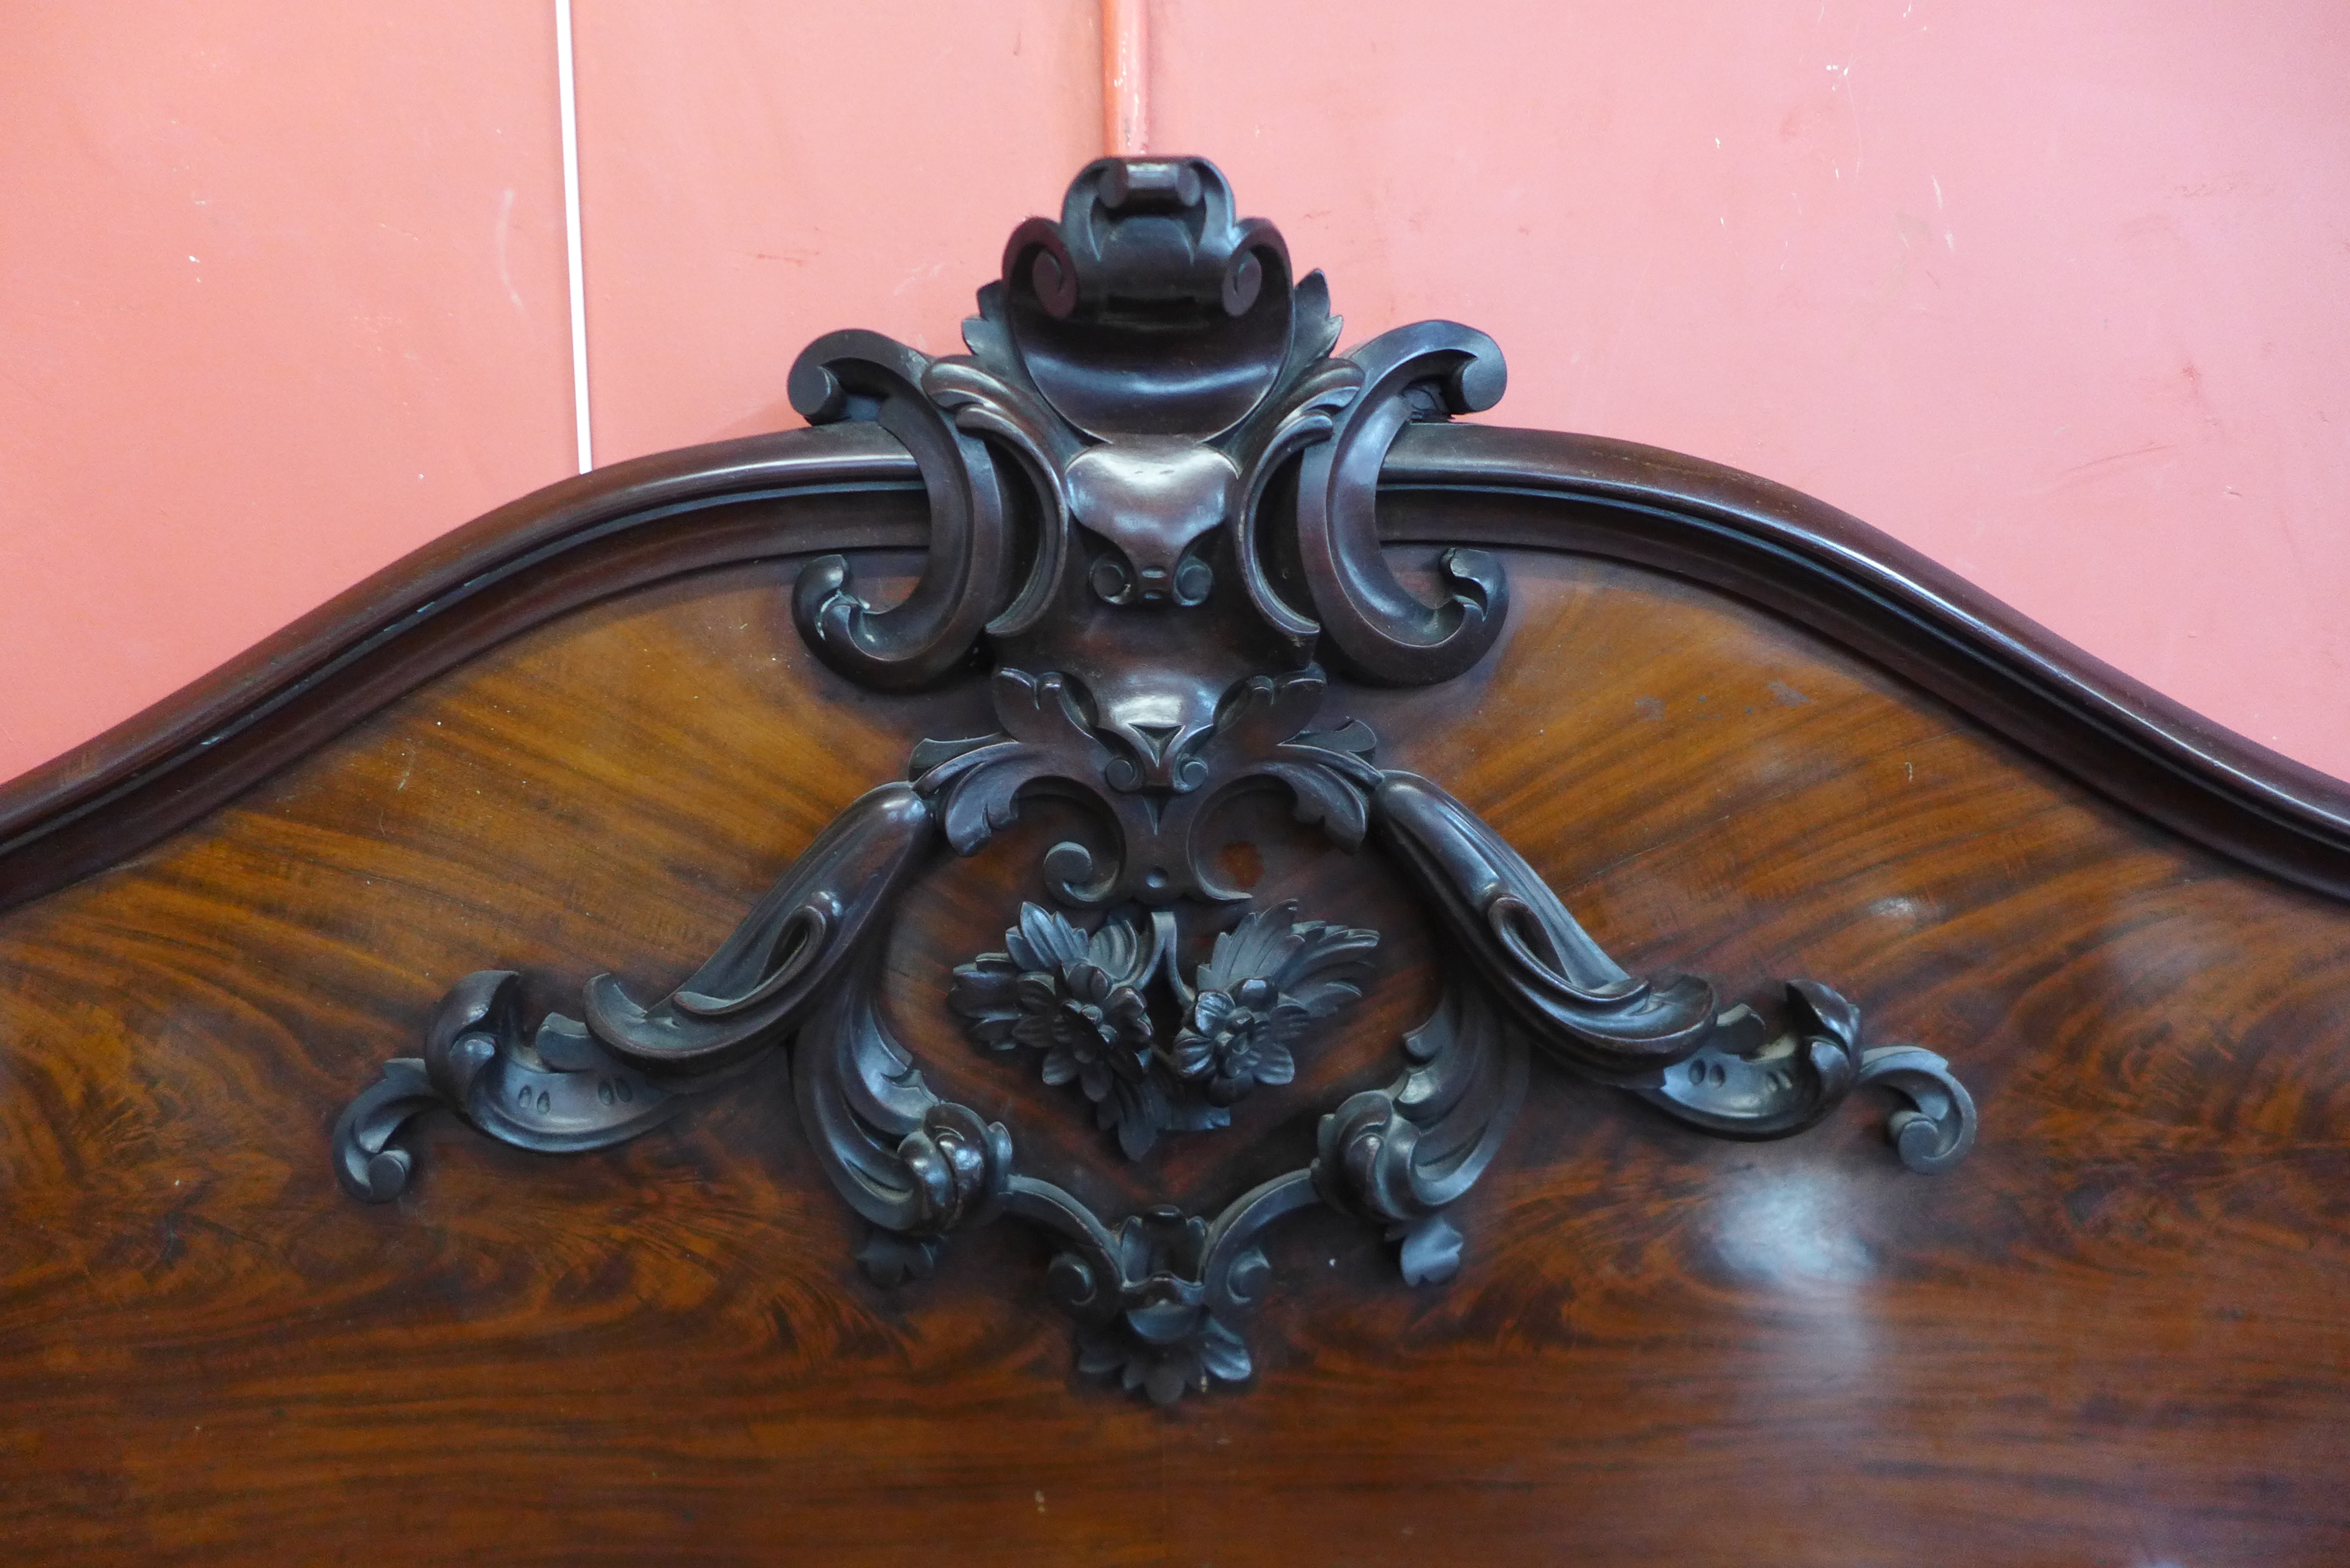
2114	1334
845	486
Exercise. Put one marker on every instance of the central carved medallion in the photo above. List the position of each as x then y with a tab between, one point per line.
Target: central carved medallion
1152	488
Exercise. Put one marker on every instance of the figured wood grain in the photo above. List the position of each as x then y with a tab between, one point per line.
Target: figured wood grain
844	487
2113	1335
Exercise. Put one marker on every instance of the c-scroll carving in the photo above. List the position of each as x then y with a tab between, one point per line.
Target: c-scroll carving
1103	470
1432	369
864	376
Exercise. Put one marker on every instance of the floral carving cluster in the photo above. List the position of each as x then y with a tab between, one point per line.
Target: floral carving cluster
1083	1001
1164	1340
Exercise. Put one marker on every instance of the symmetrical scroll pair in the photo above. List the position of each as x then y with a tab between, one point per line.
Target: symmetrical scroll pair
1152	488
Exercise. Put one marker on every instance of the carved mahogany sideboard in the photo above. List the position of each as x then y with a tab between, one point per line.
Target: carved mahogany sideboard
1137	949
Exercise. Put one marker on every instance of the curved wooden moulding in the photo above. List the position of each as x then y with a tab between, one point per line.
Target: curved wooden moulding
1080	870
538	558
815	491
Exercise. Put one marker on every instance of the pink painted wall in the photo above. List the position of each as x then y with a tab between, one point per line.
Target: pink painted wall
2058	294
281	297
2055	294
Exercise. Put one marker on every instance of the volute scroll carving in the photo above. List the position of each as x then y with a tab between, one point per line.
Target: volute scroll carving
1113	545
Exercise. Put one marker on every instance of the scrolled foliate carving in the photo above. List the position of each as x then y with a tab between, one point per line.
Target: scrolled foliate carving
1083	1002
1112	550
1268	979
864	375
1398	1155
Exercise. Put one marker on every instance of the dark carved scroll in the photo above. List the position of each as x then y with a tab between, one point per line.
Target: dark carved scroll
864	375
1103	470
1428	371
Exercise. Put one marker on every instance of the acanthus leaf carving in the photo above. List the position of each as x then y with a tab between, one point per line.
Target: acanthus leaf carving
1103	468
1400	1155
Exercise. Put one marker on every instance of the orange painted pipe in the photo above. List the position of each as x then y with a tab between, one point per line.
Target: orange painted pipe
1125	102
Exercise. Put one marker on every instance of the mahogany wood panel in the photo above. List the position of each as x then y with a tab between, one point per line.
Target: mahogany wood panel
507	571
840	486
2113	1335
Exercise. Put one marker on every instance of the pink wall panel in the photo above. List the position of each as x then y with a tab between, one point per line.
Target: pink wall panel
2052	293
281	298
754	173
2056	294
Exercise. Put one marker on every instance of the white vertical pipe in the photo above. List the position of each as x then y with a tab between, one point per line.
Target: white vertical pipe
580	412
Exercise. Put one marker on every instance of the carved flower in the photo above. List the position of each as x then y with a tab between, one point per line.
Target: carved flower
1077	998
1237	1040
1089	1025
1165	1371
1265	980
1164	1339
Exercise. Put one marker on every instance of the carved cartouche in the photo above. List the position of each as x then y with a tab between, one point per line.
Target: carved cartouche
1152	487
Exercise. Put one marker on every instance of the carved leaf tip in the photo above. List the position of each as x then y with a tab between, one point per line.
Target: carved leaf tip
1431	1255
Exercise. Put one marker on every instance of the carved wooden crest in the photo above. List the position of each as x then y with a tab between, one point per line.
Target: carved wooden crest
1151	489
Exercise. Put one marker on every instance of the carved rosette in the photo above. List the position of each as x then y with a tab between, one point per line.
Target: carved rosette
1111	471
1082	1002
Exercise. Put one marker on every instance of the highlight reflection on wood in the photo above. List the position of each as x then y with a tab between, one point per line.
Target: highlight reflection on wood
2115	1334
